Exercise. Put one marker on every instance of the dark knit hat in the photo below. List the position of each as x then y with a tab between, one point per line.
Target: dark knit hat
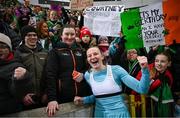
26	29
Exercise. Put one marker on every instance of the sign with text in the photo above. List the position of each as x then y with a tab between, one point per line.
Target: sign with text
80	4
152	25
144	26
103	20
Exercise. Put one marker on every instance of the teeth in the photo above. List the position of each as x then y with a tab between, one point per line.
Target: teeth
94	61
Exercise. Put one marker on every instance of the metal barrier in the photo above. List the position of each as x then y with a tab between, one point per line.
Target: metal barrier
137	108
66	110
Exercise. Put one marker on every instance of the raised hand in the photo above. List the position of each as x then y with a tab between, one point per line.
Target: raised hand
142	61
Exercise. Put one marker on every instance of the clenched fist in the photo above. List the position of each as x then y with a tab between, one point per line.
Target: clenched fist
78	100
19	73
142	61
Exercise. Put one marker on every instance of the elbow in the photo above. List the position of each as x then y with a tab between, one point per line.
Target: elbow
145	90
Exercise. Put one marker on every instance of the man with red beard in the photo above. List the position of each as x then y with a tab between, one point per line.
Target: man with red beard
14	78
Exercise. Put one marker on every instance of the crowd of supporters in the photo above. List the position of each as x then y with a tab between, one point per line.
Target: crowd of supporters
43	58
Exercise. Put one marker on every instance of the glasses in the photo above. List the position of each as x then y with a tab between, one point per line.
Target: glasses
31	35
3	46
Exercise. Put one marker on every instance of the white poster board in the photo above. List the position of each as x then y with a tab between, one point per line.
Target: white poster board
103	20
152	25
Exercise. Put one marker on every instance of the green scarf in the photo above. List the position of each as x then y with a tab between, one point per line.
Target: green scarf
163	96
132	64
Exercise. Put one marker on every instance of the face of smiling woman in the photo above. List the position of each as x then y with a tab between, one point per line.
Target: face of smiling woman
44	29
68	36
95	58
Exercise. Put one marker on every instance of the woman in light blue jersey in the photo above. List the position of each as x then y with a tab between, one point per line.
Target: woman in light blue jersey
106	82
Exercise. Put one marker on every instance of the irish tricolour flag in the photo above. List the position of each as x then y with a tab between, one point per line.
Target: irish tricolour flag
155	24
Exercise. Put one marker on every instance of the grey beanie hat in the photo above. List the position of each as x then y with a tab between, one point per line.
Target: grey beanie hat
102	38
5	39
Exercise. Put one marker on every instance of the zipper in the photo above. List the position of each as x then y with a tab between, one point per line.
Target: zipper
74	63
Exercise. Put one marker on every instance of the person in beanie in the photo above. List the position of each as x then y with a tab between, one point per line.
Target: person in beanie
33	56
103	45
28	29
86	39
14	78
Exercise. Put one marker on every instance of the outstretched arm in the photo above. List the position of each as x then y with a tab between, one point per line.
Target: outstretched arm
141	86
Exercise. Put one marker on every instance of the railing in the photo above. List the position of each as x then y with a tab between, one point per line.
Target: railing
137	108
135	104
66	110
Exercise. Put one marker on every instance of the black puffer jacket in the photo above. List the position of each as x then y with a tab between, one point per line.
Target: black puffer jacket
60	65
11	90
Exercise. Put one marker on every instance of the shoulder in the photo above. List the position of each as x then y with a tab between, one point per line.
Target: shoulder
116	67
19	51
87	73
118	70
16	63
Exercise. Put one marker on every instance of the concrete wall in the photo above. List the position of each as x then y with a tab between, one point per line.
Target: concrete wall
66	110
